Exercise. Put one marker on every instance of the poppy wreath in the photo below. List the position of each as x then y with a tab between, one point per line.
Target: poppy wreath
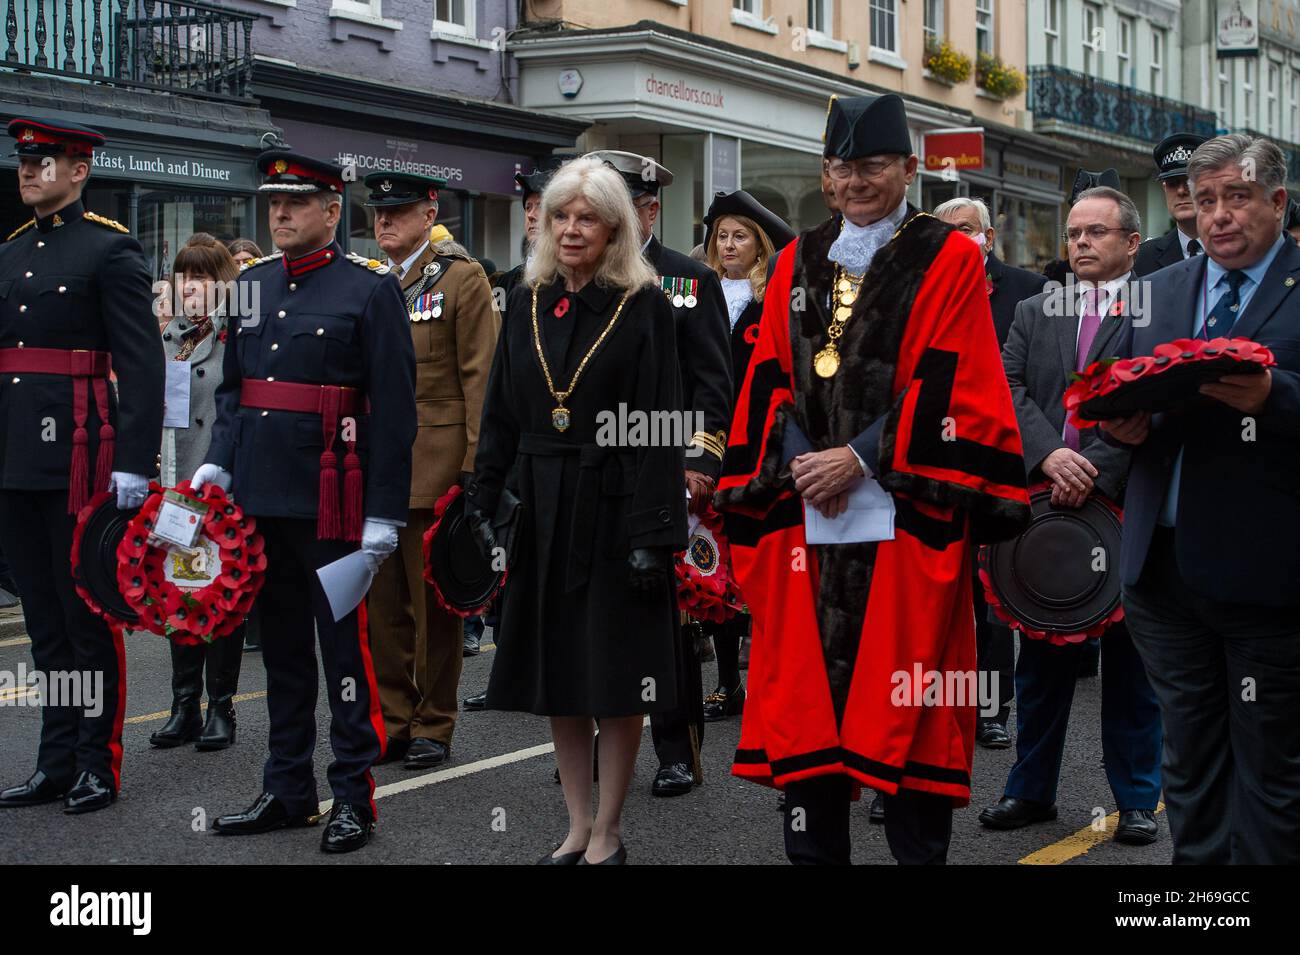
193	617
1110	375
115	623
440	508
705	588
1054	637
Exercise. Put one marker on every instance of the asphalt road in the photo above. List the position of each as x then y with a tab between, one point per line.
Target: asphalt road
495	802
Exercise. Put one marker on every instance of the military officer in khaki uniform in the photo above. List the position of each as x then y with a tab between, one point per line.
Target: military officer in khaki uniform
417	644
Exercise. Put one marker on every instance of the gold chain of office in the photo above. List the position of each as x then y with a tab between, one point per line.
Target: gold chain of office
561	417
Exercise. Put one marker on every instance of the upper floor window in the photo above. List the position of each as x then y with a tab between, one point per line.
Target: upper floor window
1093	42
1271	98
933	20
1052	31
819	16
748	6
1158	61
454	16
1248	90
884	25
984	26
1127	29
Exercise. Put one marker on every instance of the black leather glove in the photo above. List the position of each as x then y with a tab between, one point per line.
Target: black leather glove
484	536
647	569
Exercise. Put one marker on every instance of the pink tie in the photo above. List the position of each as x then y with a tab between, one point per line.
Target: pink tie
1088	326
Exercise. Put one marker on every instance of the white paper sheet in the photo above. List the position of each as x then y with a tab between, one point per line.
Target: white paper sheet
176	399
868	517
345	582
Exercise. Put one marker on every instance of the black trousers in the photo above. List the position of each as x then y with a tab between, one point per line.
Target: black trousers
295	616
36	535
918	826
671	730
1228	680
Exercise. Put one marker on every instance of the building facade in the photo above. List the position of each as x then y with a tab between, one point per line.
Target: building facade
733	94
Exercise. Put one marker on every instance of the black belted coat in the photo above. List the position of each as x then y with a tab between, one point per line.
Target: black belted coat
573	639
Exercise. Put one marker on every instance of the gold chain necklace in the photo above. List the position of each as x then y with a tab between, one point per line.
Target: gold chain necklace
827	361
560	415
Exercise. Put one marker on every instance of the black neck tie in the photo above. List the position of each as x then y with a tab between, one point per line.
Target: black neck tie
1193	248
1218	324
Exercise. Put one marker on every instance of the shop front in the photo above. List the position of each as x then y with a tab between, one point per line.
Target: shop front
717	116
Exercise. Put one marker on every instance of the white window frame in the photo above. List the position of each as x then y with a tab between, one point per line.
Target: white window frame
1272	105
750	14
986	8
929	28
468	28
823	11
1294	131
1091	21
367	9
825	39
1224	78
1052	30
1248	92
1158	47
1124	50
873	7
752	7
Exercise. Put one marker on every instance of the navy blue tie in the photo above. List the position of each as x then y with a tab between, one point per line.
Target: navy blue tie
1218	324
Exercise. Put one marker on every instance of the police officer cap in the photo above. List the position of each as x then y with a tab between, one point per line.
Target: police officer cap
286	171
1172	153
1084	180
36	137
534	182
741	203
859	126
644	176
400	188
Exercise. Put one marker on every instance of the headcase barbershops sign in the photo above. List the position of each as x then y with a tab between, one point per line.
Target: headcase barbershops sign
953	151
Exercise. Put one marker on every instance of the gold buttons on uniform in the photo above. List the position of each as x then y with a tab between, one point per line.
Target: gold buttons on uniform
275	346
320	331
16	380
293	286
28	275
265	413
22	308
40	245
62	289
20	344
270	378
280	313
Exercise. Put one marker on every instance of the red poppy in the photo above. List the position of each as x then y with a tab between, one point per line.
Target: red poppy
751	334
561	307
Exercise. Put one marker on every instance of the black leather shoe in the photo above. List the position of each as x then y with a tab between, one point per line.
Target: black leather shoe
219	728
675	779
426	754
475	702
266	814
617	857
1013	813
723	702
876	815
1137	827
349	829
39	789
87	794
992	735
395	750
567	858
472	644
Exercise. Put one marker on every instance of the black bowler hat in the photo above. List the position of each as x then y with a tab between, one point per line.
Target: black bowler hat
286	171
400	188
1084	180
95	561
534	182
1172	153
741	203
36	137
859	126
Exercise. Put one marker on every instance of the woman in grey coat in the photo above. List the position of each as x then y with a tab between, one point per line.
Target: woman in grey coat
204	270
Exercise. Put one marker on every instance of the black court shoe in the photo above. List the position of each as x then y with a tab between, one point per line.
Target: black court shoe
567	858
39	789
87	794
349	829
617	857
266	814
722	703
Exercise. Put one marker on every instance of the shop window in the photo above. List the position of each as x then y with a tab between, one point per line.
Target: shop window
785	181
167	219
453	16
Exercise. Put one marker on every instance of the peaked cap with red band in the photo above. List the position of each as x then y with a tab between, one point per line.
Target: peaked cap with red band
293	172
37	137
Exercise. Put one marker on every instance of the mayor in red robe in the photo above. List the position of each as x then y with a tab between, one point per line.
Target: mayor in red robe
876	357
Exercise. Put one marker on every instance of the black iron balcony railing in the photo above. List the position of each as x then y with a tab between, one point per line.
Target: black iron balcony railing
1061	94
192	47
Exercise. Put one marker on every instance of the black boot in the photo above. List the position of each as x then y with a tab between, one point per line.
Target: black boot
224	656
187	686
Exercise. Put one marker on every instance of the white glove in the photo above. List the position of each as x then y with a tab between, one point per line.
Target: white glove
378	540
131	489
210	474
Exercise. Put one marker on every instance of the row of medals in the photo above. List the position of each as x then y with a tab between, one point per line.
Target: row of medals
827	361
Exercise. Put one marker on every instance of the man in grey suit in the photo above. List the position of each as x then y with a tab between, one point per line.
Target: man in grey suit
1212	521
1054	334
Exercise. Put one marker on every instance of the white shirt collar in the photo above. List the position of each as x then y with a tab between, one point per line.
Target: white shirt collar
411	259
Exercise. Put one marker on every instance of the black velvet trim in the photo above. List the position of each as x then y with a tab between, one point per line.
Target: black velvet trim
933	532
768	377
937	774
745	531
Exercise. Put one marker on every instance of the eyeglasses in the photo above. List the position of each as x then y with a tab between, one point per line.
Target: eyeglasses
865	168
1094	232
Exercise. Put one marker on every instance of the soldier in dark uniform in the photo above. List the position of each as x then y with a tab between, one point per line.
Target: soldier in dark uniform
320	375
1180	242
704	352
75	302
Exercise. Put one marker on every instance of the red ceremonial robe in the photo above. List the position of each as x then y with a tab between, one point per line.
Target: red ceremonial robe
863	657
